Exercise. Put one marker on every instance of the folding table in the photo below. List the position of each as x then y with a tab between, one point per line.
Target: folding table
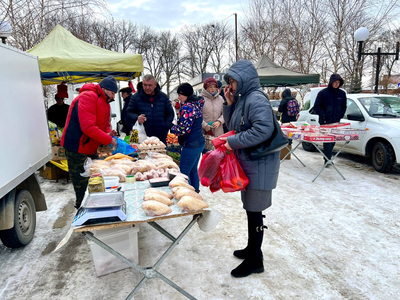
135	215
300	139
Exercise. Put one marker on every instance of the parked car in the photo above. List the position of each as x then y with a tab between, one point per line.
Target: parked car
379	115
275	105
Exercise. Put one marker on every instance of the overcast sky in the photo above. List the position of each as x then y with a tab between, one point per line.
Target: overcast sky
172	14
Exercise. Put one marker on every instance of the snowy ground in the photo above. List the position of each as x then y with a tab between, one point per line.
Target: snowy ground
331	239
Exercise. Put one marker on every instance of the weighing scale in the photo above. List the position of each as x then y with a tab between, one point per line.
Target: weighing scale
101	208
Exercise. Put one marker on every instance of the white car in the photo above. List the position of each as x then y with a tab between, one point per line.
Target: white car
380	116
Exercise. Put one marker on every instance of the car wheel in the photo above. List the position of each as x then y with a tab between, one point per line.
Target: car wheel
24	222
308	147
382	157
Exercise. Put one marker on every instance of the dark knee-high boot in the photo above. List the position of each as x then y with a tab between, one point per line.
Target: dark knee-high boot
253	262
242	254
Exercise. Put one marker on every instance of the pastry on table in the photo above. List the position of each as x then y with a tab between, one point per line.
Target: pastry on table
183	191
154	208
157	197
190	204
154	190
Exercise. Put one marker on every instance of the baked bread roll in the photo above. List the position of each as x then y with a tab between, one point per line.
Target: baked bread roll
157	197
183	191
153	208
154	190
190	204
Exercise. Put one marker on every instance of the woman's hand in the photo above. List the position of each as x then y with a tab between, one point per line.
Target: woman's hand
229	95
227	146
216	124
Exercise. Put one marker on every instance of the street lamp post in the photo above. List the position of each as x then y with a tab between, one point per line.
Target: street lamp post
236	37
360	36
5	31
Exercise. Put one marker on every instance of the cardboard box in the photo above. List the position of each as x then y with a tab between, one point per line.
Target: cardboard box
284	151
51	172
58	153
122	239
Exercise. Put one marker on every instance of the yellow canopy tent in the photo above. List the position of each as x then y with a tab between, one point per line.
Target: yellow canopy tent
65	58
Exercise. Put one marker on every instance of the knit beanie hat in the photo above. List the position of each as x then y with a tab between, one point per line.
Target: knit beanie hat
185	89
109	83
209	81
219	83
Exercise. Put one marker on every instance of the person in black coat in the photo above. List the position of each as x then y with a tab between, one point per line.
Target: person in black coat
286	96
58	112
151	107
330	105
126	94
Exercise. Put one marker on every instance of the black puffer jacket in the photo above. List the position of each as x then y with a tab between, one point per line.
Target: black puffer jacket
330	104
124	118
159	112
286	96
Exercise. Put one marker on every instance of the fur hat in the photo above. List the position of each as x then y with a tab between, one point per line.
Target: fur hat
185	89
210	81
109	83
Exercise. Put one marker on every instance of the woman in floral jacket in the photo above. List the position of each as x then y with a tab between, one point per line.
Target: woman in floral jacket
189	132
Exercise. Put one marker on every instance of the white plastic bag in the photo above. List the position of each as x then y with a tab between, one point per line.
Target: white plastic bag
138	134
142	133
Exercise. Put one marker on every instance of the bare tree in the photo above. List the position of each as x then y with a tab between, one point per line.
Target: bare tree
168	49
222	34
199	43
261	31
32	20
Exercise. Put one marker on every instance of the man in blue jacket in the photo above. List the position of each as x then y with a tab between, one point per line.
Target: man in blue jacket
330	105
152	108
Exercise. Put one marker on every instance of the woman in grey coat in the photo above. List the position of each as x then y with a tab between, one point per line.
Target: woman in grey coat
244	93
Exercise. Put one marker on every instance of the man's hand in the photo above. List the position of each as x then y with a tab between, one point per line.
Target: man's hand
142	118
113	133
228	95
227	146
114	142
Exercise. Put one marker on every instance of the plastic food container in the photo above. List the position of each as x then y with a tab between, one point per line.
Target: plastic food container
122	239
111	182
156	182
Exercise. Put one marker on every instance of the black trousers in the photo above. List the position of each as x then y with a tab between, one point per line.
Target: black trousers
76	162
328	149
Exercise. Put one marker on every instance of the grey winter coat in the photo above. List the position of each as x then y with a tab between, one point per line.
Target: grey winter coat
262	173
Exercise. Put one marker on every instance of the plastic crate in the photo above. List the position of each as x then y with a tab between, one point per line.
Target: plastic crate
122	239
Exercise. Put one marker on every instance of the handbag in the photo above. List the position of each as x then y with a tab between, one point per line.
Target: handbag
275	143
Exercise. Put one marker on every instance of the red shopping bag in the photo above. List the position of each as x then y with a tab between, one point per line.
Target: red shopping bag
216	183
209	165
217	142
233	178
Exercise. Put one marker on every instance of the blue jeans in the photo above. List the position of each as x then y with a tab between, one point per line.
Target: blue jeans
189	160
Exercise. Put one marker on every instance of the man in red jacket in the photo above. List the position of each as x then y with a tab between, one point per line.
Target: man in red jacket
87	127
